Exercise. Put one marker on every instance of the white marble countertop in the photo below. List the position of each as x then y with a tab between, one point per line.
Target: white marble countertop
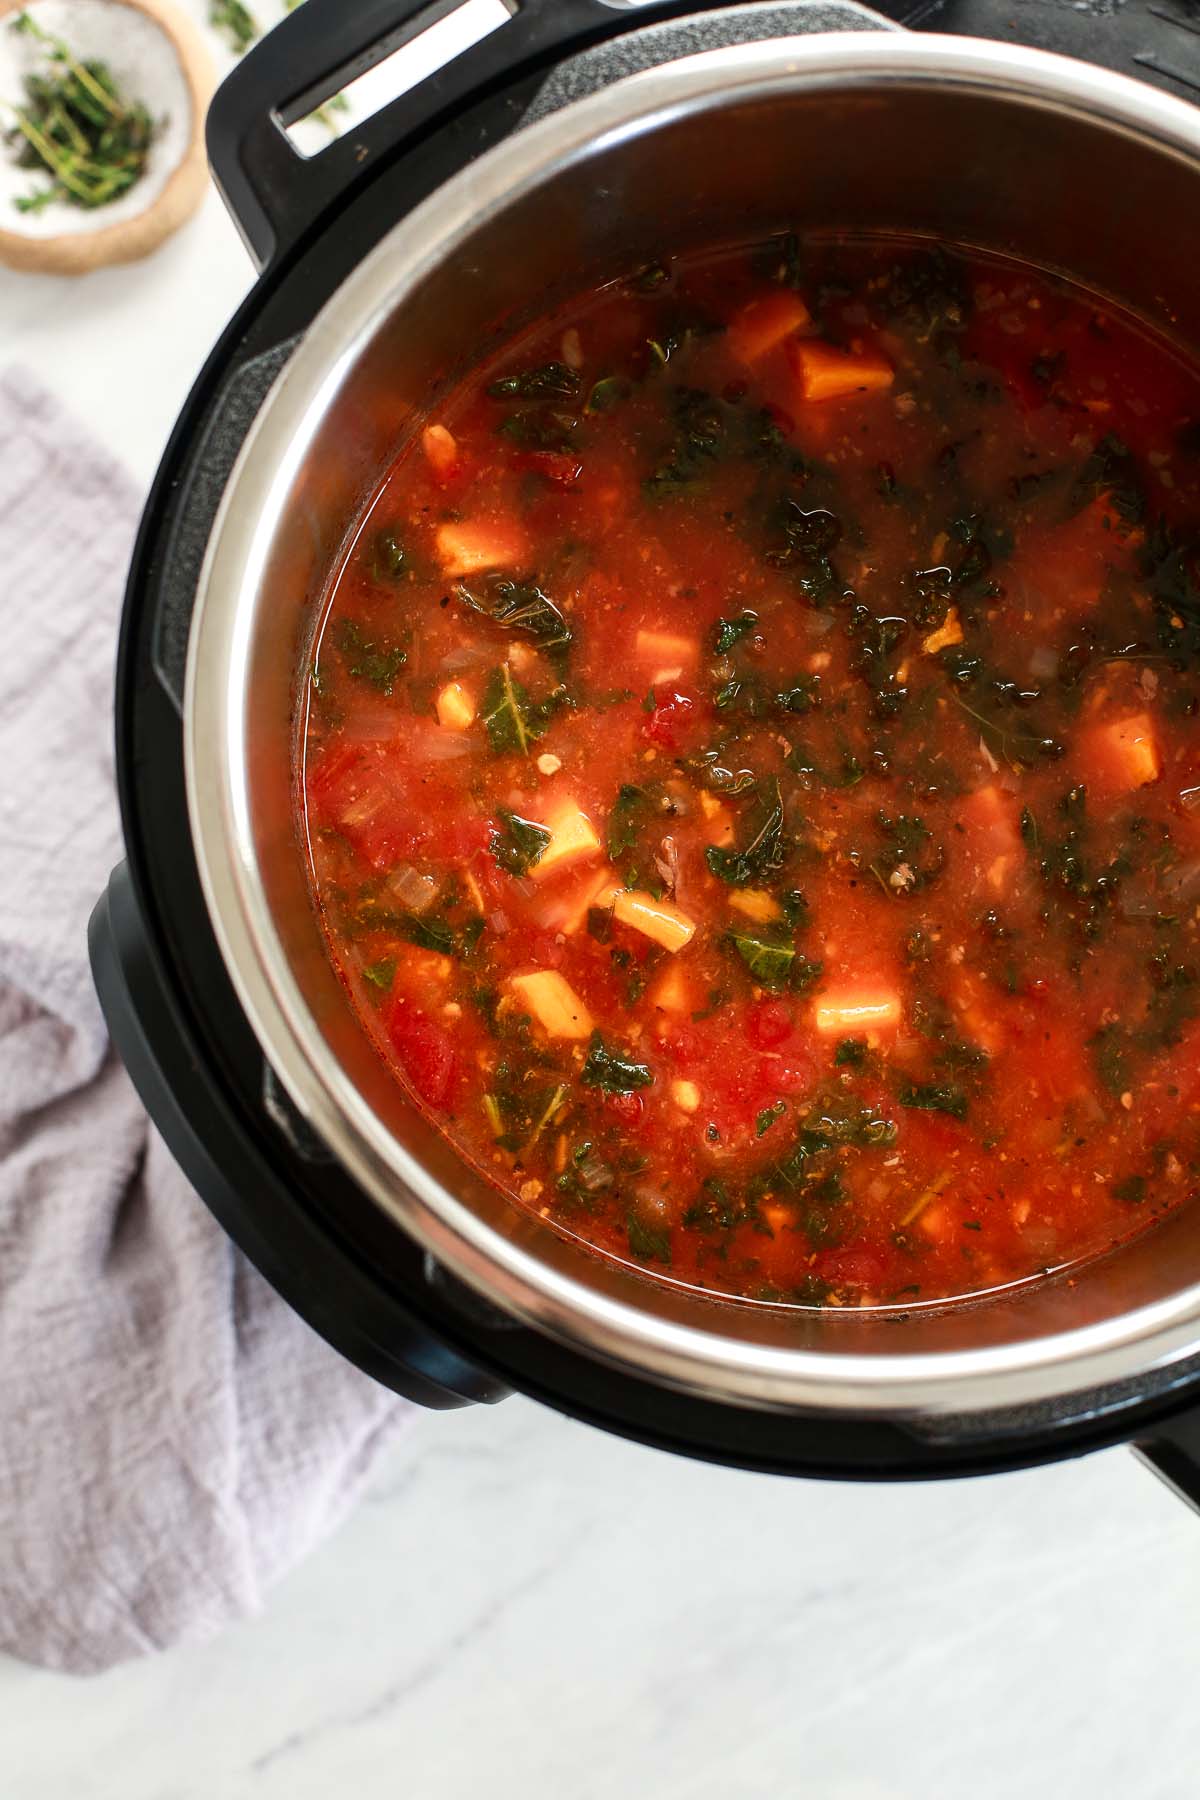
524	1607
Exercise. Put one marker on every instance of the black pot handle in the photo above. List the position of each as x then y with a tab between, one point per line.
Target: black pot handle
1172	1450
379	1334
275	194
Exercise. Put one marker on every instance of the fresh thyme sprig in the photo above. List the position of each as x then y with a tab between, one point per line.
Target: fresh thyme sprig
241	28
78	127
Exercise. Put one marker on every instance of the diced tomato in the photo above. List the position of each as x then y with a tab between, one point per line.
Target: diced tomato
556	465
426	1053
626	1109
667	725
852	1265
769	1023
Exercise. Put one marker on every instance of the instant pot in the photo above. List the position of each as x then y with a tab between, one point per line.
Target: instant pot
577	139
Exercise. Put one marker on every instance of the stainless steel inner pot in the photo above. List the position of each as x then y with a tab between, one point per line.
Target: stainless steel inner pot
1002	148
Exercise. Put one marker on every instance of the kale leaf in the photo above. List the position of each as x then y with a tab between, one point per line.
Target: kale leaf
513	720
376	660
727	632
765	850
521	606
611	1072
551	381
519	844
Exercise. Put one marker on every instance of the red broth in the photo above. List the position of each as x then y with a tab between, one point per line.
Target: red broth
751	772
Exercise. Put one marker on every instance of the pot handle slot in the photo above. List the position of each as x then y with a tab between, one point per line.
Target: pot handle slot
274	193
1172	1450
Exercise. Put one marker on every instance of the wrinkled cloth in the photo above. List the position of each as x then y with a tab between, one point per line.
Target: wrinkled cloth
172	1437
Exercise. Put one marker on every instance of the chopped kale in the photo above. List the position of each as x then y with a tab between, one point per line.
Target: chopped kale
381	974
720	772
911	859
851	1053
809	539
748	695
519	844
541	428
767	1117
649	1243
714	1209
846	772
436	932
552	381
768	956
611	1072
1111	472
521	606
773	960
389	560
934	1096
765	850
376	660
727	632
928	291
606	394
1132	1190
513	720
699	433
625	819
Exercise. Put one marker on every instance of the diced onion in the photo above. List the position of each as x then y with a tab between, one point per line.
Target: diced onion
1043	663
1182	881
467	656
416	893
426	742
1139	900
593	1174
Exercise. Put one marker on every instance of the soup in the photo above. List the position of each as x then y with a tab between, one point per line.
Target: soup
751	771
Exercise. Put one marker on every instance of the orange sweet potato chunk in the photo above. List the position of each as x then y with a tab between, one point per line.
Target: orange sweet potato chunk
825	373
762	324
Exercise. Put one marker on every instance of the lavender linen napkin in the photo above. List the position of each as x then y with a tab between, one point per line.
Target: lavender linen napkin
172	1438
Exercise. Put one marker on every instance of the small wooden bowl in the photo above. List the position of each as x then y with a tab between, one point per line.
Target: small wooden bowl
92	242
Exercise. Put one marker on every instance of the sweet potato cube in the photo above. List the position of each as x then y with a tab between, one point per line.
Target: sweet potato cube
455	707
686	1095
850	1010
992	834
665	654
720	820
673	991
948	633
754	904
825	373
762	324
468	547
553	1002
441	450
1122	755
572	838
656	919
